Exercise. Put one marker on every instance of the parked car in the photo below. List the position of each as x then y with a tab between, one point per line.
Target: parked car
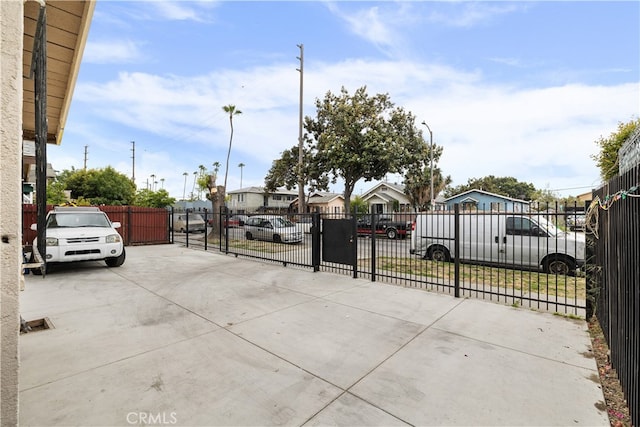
80	234
188	223
234	221
272	227
515	241
385	225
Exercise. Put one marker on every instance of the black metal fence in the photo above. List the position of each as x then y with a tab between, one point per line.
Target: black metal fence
534	259
614	217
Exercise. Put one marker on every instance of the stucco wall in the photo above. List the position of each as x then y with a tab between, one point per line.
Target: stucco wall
11	23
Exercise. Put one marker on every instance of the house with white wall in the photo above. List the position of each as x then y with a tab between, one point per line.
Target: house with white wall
323	202
255	199
387	197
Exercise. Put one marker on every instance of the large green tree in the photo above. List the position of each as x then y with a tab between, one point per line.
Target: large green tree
100	186
417	180
284	171
505	186
153	199
607	158
362	137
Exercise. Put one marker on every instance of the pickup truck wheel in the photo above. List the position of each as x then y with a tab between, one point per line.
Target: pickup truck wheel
559	265
392	233
439	254
116	261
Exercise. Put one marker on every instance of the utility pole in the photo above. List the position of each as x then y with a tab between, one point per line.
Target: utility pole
431	202
86	148
133	158
301	202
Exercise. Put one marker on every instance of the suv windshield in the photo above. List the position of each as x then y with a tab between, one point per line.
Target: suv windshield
58	220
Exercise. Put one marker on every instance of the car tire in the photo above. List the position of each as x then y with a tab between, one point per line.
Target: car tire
439	254
116	261
276	238
248	235
392	233
559	265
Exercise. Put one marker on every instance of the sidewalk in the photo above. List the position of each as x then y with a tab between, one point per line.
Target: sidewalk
182	337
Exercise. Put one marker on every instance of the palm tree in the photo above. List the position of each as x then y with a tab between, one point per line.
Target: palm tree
241	166
193	190
162	182
184	190
203	172
231	110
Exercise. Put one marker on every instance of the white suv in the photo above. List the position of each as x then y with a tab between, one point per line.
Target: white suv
82	234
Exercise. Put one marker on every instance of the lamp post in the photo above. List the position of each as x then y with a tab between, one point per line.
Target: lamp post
431	159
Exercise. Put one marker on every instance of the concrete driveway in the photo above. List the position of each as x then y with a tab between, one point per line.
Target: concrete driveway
183	337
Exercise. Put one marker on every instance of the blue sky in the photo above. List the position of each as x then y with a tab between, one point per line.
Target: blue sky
520	89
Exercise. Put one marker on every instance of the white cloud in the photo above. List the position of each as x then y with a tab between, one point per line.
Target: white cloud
471	14
177	11
540	135
113	51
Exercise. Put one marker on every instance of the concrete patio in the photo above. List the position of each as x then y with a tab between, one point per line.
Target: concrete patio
183	337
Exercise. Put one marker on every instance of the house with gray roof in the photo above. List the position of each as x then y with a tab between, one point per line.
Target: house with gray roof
485	201
387	197
255	199
323	202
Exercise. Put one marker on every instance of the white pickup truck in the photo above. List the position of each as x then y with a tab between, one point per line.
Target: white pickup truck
515	240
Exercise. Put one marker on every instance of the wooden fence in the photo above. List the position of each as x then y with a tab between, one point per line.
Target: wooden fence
139	225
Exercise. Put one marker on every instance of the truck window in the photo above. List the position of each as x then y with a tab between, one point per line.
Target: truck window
519	226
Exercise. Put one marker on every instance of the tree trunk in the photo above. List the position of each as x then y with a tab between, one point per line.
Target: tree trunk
216	195
348	189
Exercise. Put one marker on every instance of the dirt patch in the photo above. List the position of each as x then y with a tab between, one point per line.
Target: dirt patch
616	404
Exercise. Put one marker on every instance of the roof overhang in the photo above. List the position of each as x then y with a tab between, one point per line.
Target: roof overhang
68	23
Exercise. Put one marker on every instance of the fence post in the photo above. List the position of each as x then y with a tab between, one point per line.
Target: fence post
128	242
374	226
206	229
171	224
315	241
456	245
226	229
354	253
186	226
